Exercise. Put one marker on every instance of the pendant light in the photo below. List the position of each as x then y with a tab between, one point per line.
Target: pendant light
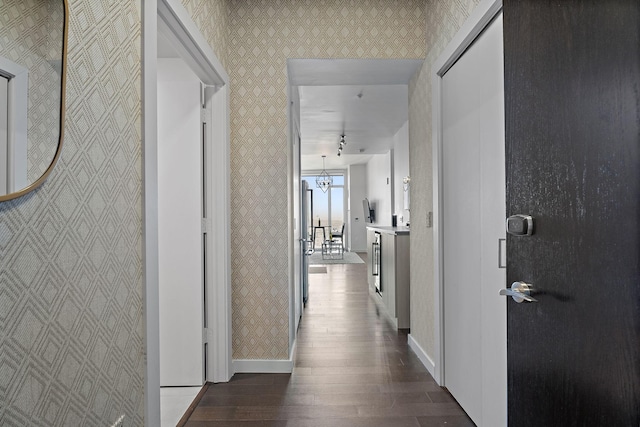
324	180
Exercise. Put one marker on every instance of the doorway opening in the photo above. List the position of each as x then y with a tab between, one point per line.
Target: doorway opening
181	241
364	104
170	32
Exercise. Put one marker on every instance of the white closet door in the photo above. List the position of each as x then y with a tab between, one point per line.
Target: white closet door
180	241
473	223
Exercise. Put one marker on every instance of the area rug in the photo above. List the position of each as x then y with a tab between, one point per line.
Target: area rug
349	258
317	269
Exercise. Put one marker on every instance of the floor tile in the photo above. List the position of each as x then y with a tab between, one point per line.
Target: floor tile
174	402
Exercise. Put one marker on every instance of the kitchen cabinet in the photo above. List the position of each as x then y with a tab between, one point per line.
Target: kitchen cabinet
394	272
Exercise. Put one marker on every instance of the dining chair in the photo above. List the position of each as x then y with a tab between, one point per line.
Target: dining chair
335	235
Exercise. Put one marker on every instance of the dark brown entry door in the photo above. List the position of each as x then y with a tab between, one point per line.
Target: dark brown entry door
572	89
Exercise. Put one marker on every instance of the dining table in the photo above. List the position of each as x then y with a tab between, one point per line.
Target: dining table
324	233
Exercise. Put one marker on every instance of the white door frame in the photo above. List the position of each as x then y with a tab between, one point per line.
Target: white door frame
172	19
482	15
17	123
294	191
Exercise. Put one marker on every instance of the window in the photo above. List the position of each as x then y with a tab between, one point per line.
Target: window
329	207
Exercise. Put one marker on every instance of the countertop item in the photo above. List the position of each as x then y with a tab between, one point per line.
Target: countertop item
389	230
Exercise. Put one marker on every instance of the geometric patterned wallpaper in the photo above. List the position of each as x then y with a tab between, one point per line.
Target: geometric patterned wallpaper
210	16
263	34
260	36
71	294
444	19
421	242
36	44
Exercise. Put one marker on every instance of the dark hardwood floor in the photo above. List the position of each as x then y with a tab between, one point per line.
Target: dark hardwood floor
352	369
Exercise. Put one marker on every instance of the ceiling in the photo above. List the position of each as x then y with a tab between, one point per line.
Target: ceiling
368	117
366	100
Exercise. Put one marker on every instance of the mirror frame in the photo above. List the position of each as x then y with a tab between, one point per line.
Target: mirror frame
63	85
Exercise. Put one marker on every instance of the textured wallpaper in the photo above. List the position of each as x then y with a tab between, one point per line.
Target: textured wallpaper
29	38
71	295
263	34
421	242
211	18
444	19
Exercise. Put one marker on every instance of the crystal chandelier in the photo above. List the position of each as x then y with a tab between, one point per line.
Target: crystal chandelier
324	180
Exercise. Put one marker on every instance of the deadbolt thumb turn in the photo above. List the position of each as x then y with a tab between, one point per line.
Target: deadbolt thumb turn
520	292
520	225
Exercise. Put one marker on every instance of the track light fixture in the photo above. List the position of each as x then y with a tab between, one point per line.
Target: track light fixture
341	144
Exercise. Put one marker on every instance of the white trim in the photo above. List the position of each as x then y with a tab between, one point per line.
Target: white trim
170	17
219	285
186	38
150	214
332	172
422	355
438	247
263	366
17	123
482	15
291	229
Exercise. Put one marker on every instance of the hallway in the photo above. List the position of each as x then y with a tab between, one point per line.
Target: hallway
352	369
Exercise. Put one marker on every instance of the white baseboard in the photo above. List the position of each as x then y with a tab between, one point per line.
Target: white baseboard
422	355
294	349
263	366
266	366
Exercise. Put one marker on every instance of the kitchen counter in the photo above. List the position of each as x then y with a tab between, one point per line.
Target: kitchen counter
396	231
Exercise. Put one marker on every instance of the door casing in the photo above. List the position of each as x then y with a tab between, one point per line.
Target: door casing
170	17
482	15
15	144
473	226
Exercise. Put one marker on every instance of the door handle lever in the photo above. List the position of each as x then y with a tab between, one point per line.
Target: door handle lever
520	292
307	243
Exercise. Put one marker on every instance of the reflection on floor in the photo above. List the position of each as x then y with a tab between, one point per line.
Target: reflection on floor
174	402
318	269
352	369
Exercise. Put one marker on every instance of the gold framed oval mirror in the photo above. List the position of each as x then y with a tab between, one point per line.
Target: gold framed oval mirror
33	58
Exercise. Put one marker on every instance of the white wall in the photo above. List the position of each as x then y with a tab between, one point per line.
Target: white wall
179	224
356	227
400	170
380	187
